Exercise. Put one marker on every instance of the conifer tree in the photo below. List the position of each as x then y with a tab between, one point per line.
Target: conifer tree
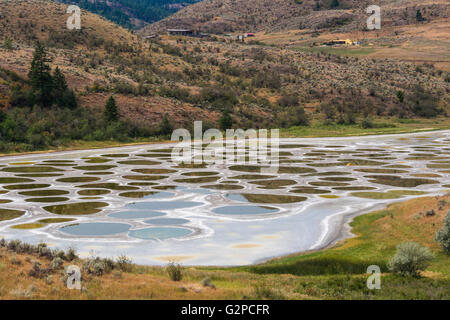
39	75
111	112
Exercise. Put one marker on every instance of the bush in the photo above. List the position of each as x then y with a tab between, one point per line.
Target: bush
206	282
97	266
71	254
124	263
443	234
175	271
37	271
367	123
288	101
410	259
264	292
56	263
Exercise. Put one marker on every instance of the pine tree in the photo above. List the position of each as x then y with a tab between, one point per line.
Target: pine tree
419	16
225	121
400	96
2	116
111	112
334	4
165	127
59	81
39	75
63	96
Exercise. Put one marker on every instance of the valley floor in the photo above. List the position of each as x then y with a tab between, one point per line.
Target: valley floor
334	273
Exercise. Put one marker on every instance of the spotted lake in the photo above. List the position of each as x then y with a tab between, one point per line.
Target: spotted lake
136	201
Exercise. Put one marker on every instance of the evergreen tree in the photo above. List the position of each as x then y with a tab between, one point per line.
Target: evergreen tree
225	121
334	4
7	44
400	96
39	75
165	127
2	116
59	81
317	6
64	97
419	16
111	112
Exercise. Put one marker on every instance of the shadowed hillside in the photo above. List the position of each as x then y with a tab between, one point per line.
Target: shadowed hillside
132	13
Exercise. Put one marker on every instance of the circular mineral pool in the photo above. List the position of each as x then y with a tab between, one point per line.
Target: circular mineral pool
136	214
160	233
159	195
245	210
164	205
166	221
95	228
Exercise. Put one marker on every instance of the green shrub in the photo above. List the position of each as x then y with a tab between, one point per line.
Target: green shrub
71	254
175	271
98	266
367	123
410	259
56	263
443	234
264	292
206	282
124	263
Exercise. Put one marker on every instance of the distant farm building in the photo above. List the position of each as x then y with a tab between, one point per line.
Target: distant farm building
339	42
181	32
187	33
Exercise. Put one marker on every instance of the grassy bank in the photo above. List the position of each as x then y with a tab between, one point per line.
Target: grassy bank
316	129
379	126
335	273
88	145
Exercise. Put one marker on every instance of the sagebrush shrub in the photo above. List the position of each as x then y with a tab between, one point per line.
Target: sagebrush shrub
175	271
410	259
56	263
443	234
124	263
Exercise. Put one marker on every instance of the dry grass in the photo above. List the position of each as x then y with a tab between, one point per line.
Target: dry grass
377	235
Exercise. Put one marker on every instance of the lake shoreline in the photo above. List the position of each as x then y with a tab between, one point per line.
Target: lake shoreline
284	135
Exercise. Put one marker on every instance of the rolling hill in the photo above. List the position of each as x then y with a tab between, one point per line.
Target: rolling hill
224	16
187	79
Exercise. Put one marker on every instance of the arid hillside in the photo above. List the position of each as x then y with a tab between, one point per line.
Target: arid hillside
99	60
226	16
190	78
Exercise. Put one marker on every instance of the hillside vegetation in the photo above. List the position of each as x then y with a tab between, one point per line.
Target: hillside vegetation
183	79
222	16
